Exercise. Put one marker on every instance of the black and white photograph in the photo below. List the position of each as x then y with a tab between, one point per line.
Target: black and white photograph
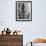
23	10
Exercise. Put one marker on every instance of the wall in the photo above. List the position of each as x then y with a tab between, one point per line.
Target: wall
39	18
31	30
7	19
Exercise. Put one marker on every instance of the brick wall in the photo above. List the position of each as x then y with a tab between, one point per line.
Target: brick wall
11	40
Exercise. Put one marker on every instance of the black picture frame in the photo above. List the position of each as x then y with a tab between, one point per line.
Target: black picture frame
18	17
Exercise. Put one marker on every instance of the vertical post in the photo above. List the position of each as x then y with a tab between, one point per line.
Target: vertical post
31	43
2	32
23	10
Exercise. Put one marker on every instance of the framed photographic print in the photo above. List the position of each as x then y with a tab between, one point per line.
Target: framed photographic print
23	10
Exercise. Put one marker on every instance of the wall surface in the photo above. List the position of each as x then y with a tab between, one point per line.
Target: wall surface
31	30
39	18
7	19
